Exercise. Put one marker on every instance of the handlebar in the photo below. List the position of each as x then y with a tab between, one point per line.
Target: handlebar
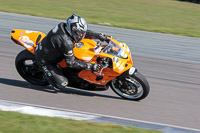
104	62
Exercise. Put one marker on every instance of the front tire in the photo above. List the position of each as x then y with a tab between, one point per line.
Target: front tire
137	87
26	67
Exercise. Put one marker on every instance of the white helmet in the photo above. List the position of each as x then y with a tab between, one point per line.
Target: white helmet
76	26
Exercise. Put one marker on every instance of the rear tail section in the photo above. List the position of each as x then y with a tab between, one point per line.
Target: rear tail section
26	38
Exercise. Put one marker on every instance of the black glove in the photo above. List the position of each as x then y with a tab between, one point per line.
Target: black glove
103	37
93	67
96	67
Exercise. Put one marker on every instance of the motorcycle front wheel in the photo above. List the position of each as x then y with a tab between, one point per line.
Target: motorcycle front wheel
25	66
134	87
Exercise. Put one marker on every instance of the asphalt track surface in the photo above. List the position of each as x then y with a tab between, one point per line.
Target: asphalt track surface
170	63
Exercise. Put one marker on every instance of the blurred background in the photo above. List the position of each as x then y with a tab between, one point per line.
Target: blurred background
164	16
169	61
194	1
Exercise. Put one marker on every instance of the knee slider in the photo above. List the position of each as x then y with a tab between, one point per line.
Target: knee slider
64	84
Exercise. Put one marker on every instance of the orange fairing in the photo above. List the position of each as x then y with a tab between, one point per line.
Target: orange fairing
85	51
121	65
108	74
28	39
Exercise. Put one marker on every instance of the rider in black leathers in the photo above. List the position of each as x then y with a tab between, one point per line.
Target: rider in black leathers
58	44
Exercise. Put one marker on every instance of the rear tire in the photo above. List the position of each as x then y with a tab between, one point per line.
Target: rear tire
26	67
138	87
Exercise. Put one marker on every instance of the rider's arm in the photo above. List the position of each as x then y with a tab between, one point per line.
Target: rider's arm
94	35
71	61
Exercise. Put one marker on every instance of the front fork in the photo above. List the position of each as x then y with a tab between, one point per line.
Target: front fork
128	73
128	77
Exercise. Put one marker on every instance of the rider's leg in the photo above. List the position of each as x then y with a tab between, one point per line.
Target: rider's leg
55	76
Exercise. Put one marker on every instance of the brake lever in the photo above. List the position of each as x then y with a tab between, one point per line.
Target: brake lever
105	66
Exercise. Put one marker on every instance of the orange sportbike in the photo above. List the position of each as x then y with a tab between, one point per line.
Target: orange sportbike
116	72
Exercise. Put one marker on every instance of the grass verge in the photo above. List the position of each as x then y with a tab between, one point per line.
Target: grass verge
166	16
13	122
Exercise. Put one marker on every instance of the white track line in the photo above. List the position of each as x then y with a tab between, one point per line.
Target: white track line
94	115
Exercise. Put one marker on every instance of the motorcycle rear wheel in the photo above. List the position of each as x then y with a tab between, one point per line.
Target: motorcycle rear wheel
138	87
24	63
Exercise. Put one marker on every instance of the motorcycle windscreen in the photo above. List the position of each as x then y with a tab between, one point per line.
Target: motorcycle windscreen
113	49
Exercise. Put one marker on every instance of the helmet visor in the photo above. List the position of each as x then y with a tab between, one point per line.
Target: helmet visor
80	33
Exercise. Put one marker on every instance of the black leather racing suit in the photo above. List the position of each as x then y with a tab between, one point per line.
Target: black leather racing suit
56	46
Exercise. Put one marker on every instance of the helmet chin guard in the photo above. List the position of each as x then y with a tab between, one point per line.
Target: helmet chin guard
76	26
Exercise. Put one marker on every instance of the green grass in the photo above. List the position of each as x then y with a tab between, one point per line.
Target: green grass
166	16
13	122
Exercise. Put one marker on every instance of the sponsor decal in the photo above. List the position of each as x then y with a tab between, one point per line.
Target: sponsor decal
22	33
46	71
121	68
87	58
30	31
118	63
25	40
79	45
115	59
